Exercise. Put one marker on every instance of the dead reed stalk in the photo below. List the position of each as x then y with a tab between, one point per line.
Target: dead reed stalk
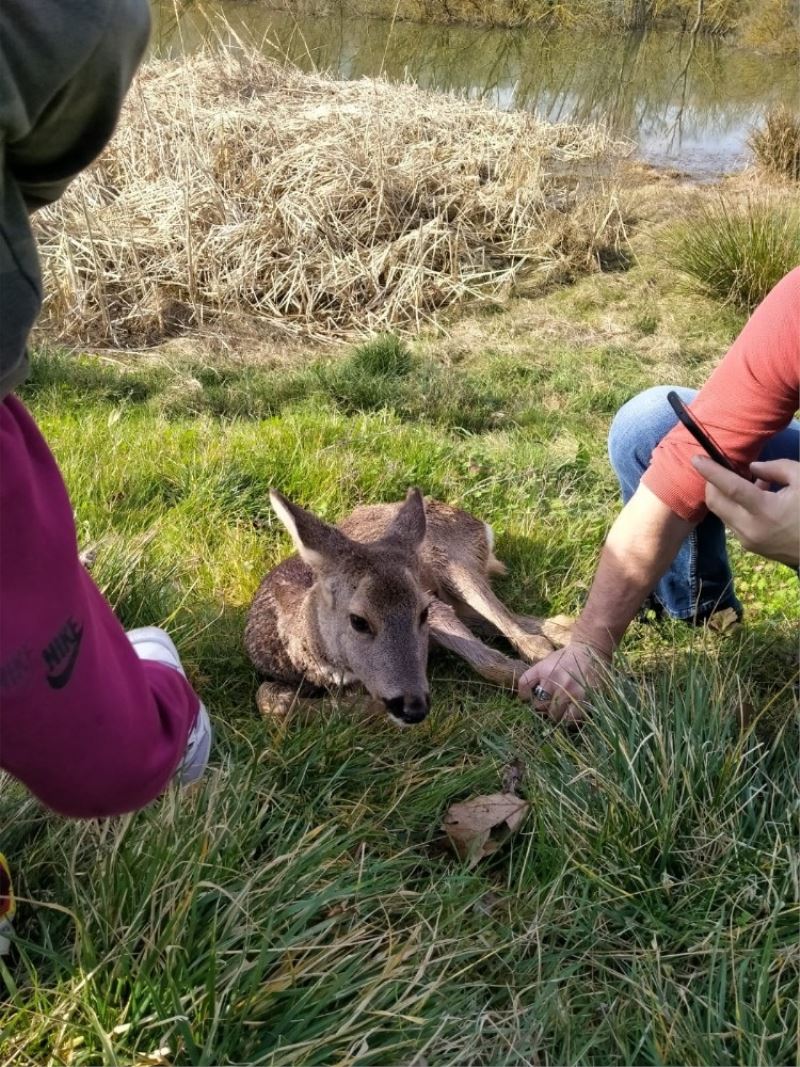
776	144
235	186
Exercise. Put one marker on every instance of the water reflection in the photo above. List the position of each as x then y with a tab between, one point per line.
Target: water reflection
692	114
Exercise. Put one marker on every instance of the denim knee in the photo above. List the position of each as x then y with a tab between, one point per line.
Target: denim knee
635	431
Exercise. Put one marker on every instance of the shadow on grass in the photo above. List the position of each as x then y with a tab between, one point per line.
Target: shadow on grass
71	379
380	375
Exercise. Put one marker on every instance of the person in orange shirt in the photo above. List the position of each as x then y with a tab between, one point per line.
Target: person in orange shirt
668	543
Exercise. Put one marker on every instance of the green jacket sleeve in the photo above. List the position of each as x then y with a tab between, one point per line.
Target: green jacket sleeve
65	66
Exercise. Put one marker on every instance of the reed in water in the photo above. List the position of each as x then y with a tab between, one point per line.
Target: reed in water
768	25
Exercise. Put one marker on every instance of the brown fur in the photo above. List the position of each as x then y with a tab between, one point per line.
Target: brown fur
384	563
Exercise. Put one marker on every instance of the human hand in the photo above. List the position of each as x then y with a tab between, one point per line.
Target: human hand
764	522
564	676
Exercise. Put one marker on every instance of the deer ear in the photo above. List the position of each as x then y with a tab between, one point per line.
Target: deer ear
409	524
315	540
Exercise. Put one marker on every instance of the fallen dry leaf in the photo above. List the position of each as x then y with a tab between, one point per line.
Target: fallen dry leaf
478	827
723	621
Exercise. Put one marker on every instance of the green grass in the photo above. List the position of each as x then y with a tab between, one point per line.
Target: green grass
300	906
737	254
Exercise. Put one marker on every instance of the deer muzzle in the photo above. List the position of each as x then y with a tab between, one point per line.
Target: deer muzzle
410	708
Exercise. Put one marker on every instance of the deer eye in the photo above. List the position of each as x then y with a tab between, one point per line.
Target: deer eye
423	618
360	624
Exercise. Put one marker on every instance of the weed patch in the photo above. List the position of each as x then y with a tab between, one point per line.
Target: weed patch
776	144
737	254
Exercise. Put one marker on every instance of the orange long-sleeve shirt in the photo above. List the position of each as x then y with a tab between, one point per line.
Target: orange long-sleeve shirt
751	395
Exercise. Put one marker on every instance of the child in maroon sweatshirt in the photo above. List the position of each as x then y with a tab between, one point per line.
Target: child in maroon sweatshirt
93	720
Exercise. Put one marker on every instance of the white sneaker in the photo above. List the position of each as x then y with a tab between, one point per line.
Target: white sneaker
154	644
8	904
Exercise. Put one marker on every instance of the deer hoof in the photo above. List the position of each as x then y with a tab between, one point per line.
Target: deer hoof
535	647
558	630
273	701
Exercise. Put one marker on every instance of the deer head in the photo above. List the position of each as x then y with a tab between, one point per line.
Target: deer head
368	607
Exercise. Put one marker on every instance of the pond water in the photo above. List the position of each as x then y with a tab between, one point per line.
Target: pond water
688	109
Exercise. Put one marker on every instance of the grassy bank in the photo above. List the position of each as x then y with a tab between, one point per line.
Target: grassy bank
769	25
300	906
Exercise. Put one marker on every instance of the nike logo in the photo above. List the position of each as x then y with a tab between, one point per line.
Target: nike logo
61	654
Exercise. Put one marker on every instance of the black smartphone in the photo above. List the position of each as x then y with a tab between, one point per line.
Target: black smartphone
700	435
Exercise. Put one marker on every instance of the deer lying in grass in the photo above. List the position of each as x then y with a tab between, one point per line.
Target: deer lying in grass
361	602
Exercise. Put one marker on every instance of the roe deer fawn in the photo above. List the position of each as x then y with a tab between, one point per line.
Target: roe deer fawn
360	603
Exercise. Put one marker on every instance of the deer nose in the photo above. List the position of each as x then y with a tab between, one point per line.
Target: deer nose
409	708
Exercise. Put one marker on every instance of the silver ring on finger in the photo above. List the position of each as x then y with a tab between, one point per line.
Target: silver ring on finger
541	694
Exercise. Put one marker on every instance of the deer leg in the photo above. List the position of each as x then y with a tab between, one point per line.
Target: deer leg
448	631
475	621
476	592
557	629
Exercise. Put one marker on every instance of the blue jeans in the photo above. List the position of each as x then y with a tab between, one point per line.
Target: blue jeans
699	579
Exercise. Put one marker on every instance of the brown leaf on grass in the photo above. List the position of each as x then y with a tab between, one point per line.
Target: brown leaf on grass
478	827
724	620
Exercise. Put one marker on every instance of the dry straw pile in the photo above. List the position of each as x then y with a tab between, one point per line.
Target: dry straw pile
236	187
